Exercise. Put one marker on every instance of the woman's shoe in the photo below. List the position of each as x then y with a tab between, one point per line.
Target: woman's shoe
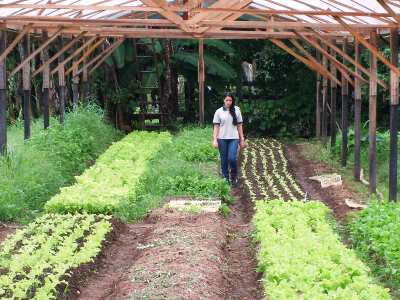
234	182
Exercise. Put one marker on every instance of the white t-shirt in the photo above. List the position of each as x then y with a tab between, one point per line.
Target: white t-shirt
223	118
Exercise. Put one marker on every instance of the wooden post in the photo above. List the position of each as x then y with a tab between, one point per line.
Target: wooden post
394	105
345	109
3	94
318	102
357	116
61	83
372	114
85	81
46	85
333	104
324	102
75	87
201	81
26	84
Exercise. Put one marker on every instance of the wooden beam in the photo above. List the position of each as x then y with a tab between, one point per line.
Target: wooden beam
357	116
372	113
390	11
394	115
3	94
344	115
15	42
347	57
308	63
103	57
344	70
201	79
85	55
311	58
369	46
61	51
36	52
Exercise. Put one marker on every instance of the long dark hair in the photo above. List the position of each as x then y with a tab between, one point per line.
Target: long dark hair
232	110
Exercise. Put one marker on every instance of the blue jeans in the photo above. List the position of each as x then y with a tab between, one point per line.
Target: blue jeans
228	155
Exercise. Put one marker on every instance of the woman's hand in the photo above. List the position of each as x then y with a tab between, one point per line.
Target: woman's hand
242	144
215	143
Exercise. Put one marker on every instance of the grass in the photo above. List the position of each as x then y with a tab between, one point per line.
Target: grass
186	167
34	170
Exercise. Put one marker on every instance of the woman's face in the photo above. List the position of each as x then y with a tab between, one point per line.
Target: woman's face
228	102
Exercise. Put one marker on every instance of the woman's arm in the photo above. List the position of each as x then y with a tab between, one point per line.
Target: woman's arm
241	136
215	135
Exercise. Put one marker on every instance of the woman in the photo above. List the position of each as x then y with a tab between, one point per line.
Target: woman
228	135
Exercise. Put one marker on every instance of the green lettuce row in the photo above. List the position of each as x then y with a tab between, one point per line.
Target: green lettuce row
374	233
36	267
303	258
113	179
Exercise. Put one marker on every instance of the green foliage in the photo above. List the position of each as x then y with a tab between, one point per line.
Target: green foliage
113	179
176	173
36	260
35	170
303	258
374	234
382	154
224	210
194	145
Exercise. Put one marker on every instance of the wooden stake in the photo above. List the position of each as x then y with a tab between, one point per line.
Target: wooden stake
46	84
372	114
318	102
345	109
201	79
3	94
357	117
394	105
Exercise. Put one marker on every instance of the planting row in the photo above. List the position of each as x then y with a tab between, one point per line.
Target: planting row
303	258
374	233
113	179
36	261
265	172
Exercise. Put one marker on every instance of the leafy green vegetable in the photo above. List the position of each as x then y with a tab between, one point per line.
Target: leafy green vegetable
302	257
113	179
374	233
35	261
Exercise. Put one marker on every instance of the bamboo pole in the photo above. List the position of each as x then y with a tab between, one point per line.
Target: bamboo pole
394	105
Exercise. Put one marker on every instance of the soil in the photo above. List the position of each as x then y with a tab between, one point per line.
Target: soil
333	196
6	230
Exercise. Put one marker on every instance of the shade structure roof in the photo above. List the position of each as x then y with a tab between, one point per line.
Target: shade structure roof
196	18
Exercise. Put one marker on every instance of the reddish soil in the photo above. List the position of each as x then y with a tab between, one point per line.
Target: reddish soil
175	255
303	168
7	229
169	256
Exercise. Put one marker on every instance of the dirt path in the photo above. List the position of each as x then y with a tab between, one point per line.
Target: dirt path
240	252
304	168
